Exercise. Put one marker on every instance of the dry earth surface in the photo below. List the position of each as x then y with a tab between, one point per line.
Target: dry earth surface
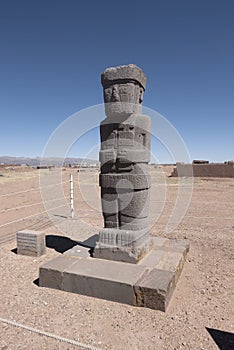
203	297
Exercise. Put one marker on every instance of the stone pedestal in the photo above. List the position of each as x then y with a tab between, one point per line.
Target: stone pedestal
149	283
125	245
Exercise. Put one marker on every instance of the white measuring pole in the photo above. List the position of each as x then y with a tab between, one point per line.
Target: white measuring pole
71	196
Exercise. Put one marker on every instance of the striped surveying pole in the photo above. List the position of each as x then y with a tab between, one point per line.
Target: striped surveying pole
71	196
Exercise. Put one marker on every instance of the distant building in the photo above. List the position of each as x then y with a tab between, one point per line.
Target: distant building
225	169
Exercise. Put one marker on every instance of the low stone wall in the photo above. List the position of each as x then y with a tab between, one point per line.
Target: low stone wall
204	170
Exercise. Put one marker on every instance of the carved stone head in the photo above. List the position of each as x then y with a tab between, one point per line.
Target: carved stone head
123	89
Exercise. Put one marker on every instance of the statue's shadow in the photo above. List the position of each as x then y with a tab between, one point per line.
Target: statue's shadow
61	244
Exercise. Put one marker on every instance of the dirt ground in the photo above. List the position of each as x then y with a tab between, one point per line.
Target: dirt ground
203	297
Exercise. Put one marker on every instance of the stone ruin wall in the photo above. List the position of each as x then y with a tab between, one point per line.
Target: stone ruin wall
204	170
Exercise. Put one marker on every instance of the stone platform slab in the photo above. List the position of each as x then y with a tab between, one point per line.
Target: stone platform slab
149	283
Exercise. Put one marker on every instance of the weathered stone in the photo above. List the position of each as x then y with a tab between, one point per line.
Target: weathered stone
148	283
165	260
204	170
138	182
126	73
103	279
175	245
127	264
129	203
134	204
132	156
51	273
133	224
124	157
124	237
30	243
154	289
122	250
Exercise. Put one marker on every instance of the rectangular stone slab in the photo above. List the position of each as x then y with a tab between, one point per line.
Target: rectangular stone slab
103	279
51	273
154	289
171	261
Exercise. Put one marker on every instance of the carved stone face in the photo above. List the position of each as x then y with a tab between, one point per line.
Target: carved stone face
123	99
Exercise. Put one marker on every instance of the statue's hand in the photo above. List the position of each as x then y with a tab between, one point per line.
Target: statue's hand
107	155
133	156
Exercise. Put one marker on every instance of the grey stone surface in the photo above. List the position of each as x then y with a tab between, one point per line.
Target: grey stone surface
119	205
171	261
176	245
138	181
123	252
78	251
149	283
124	237
128	72
51	273
159	241
180	245
103	279
124	157
31	243
154	289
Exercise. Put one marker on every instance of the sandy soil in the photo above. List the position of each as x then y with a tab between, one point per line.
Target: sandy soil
203	297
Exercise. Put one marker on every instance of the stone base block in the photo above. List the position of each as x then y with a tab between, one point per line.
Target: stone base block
149	283
123	245
30	243
125	254
154	289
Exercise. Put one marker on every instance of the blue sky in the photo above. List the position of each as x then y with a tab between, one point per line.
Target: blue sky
53	52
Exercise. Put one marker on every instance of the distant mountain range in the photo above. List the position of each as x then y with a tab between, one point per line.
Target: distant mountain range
49	161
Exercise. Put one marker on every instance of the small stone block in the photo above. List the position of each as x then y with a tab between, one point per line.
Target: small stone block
30	243
155	289
51	273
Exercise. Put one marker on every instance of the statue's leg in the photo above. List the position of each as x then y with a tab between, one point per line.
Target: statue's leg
108	235
133	215
110	207
134	204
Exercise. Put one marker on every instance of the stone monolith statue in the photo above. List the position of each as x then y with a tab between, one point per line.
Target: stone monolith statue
124	157
125	187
